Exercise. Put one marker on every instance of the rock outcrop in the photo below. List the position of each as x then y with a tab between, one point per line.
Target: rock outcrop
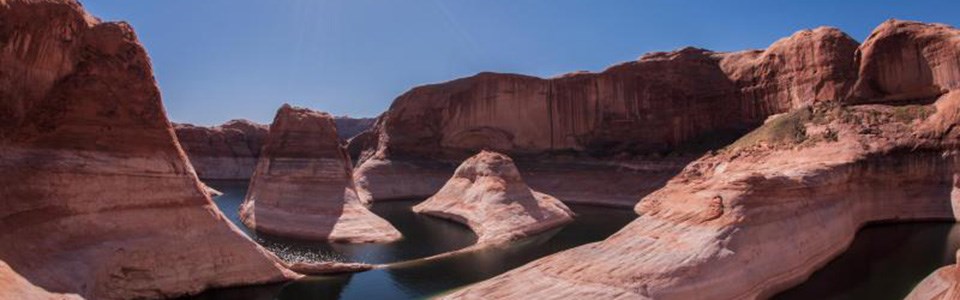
764	213
664	103
13	286
904	60
229	151
942	284
303	188
488	194
348	127
98	197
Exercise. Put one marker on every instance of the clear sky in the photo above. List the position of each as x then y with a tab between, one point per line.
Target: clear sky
218	60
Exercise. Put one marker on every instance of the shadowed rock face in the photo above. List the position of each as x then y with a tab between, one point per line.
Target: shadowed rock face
766	212
99	199
348	127
904	60
665	102
488	194
229	151
303	188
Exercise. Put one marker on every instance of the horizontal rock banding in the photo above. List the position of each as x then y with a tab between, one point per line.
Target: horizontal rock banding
303	188
488	194
226	152
99	199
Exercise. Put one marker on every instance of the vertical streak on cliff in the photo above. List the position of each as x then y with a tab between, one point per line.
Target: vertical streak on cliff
550	87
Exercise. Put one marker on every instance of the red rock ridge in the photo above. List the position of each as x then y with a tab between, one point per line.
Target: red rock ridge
99	199
303	188
229	151
905	60
665	102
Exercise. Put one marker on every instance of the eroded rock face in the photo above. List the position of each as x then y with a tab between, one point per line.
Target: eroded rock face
663	103
229	151
99	199
763	214
13	286
303	188
942	284
488	194
904	60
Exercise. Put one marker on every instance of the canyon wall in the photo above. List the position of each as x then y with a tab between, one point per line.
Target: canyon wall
302	187
99	199
348	127
666	103
764	213
228	152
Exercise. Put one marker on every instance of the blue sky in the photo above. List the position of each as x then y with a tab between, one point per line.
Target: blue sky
218	60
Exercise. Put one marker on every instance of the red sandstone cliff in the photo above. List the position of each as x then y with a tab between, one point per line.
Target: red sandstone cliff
98	197
765	212
303	188
228	151
348	127
665	102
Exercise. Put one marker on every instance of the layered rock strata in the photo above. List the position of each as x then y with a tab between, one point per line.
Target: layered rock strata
99	199
664	103
942	284
226	152
488	194
764	213
303	188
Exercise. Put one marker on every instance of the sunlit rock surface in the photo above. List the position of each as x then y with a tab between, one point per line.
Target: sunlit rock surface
98	198
226	152
488	194
616	124
303	188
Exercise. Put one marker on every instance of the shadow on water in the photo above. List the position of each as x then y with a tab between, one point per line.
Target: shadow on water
885	261
424	236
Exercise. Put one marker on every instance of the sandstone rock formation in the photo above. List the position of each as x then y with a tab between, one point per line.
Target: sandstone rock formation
764	213
98	198
228	151
663	103
903	60
303	188
488	194
942	284
13	286
348	127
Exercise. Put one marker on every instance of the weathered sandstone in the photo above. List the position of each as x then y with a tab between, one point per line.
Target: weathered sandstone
229	151
764	213
942	284
904	60
13	286
98	198
303	188
666	103
488	194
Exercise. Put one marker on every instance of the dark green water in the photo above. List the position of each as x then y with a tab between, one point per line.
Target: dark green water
423	236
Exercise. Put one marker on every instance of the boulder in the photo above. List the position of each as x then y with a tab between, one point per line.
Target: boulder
303	188
488	194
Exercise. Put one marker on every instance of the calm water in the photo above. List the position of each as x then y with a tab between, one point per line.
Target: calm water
424	236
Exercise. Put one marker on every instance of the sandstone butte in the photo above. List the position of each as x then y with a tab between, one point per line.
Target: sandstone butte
487	194
943	284
302	187
226	152
607	131
763	213
99	199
